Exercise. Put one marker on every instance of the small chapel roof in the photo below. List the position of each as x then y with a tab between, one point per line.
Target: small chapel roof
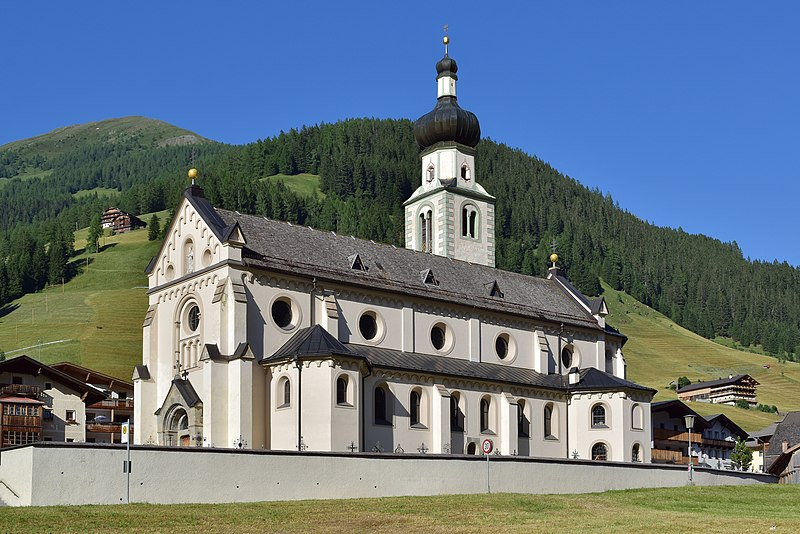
300	250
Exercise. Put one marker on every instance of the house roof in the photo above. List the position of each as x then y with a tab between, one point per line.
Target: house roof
20	400
676	409
715	383
29	366
787	430
91	376
726	422
303	251
315	341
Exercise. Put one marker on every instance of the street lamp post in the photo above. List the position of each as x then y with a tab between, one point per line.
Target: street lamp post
689	420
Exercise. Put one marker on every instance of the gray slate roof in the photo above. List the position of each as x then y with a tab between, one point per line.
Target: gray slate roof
324	255
315	341
786	430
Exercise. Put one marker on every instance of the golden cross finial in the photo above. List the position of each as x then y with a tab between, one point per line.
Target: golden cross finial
446	39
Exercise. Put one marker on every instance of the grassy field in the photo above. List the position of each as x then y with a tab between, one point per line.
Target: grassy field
731	510
95	319
659	351
302	184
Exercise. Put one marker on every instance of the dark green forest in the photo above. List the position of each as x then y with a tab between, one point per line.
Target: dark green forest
367	168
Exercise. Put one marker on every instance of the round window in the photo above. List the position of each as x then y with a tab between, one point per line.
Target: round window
368	325
501	346
566	358
438	336
282	313
194	318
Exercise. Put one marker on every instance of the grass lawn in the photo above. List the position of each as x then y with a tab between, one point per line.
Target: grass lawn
95	319
728	510
303	184
659	351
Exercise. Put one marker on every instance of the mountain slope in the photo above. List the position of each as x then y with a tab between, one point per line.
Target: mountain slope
659	351
139	132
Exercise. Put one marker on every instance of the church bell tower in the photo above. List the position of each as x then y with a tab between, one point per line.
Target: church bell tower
450	214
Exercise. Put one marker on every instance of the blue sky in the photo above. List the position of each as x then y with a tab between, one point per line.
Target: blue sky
686	112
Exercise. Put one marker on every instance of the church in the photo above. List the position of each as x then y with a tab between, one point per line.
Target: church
261	334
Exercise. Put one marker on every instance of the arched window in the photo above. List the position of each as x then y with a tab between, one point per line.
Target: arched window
466	174
414	407
469	221
381	406
637	417
456	415
600	452
485	405
548	422
284	392
636	453
341	389
598	416
426	231
431	173
523	424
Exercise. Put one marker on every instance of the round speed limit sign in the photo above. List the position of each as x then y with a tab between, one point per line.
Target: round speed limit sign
487	446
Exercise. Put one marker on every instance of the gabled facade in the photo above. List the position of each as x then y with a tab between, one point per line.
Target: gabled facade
263	334
47	404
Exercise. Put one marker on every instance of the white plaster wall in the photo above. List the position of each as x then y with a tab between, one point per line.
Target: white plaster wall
72	475
283	419
619	434
458	335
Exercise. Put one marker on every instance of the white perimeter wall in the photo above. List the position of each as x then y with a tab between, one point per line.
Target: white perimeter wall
69	474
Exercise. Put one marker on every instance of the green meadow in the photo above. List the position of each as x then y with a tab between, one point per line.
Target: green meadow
725	509
303	184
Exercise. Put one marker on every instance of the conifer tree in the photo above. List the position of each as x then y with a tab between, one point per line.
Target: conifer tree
95	231
153	228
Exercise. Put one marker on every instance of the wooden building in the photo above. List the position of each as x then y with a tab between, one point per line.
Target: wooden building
120	221
722	391
713	436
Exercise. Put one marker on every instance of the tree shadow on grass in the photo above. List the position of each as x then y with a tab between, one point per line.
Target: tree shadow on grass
8	308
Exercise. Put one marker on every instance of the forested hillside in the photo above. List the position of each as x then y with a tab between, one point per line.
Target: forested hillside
368	167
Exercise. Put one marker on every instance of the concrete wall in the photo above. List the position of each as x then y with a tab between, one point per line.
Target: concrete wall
70	474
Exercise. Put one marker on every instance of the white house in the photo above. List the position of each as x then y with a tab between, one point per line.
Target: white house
262	334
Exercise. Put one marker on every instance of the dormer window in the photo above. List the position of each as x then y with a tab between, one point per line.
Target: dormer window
356	263
466	174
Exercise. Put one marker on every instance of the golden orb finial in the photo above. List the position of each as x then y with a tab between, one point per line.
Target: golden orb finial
446	40
554	257
192	174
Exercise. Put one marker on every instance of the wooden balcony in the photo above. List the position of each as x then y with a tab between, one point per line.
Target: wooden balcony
683	438
112	404
670	457
105	428
22	422
22	390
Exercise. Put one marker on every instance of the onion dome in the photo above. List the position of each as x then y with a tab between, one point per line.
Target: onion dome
447	122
